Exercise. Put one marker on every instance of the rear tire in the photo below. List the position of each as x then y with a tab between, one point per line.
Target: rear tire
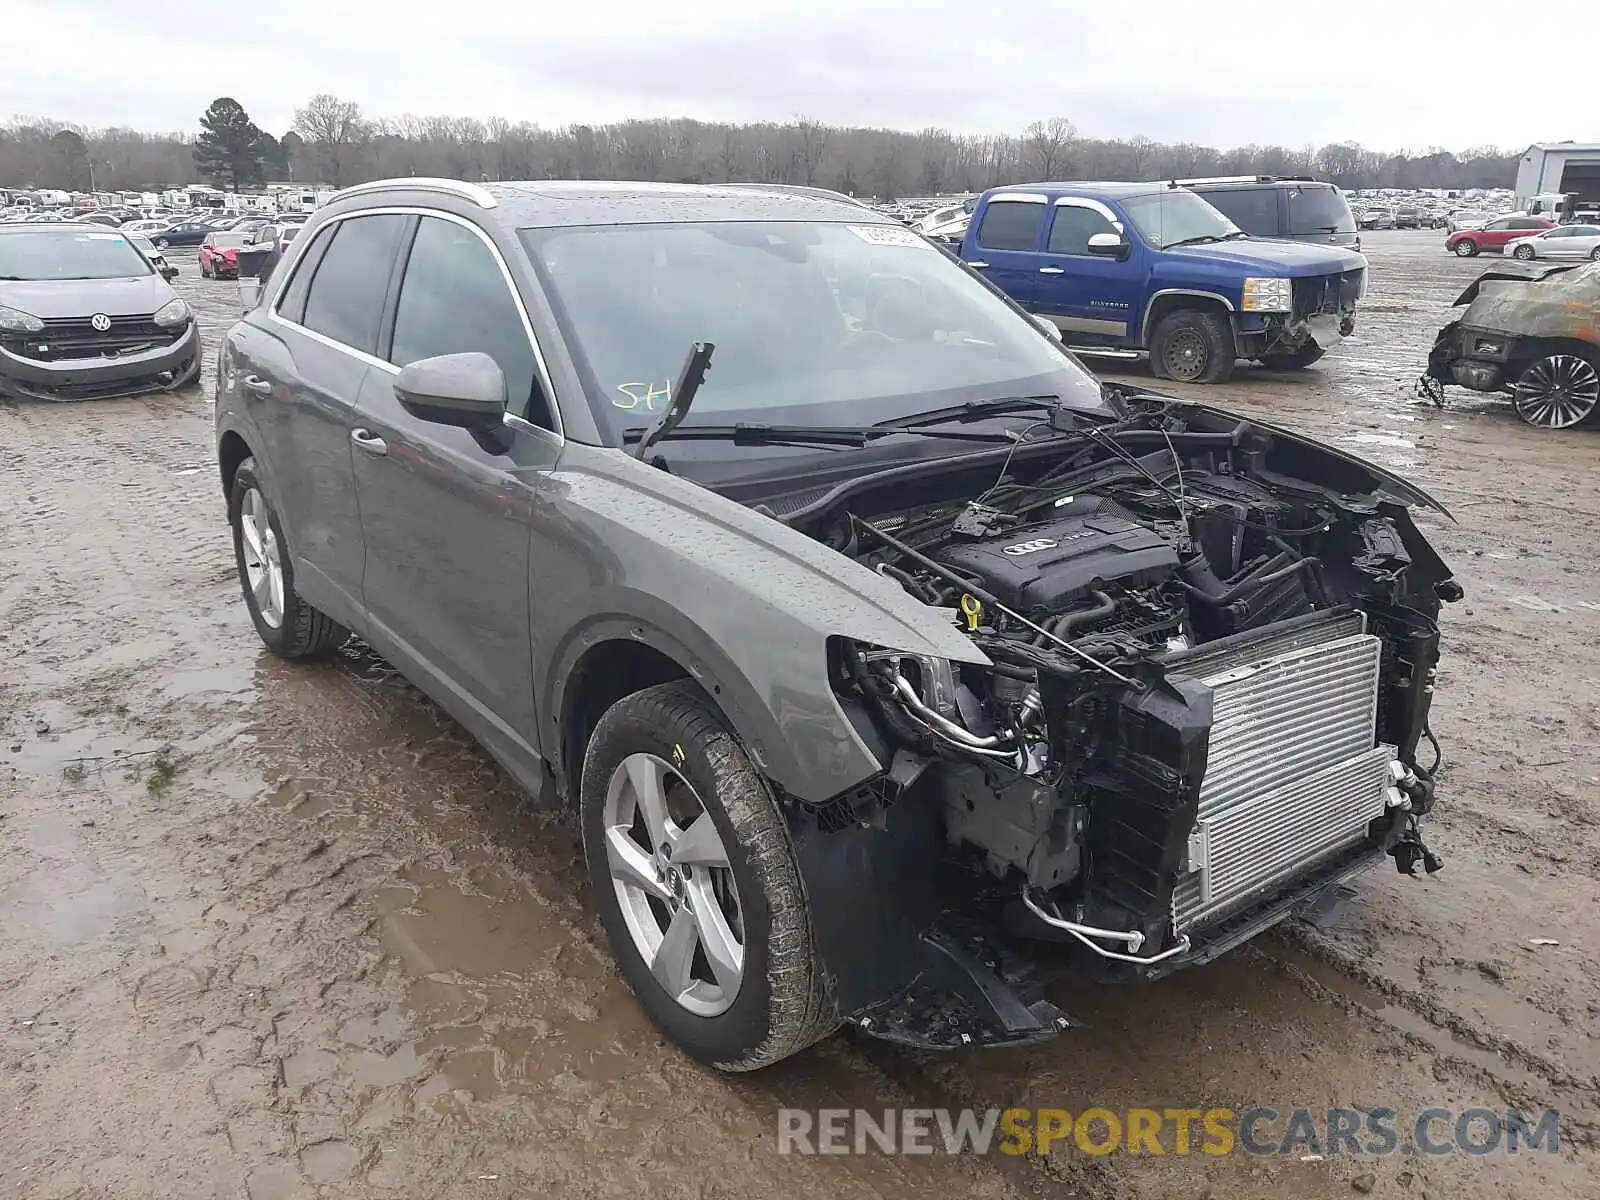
1193	345
286	624
1467	248
1558	391
1294	360
667	748
1594	255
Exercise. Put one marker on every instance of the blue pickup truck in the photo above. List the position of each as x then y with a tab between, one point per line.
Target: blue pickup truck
1126	267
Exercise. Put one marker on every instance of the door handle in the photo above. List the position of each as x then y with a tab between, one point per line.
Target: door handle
370	442
977	266
257	386
1052	270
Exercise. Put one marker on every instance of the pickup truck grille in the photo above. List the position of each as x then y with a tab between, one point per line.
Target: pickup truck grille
64	338
1317	294
1293	776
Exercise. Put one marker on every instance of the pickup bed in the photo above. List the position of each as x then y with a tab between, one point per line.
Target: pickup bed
1154	268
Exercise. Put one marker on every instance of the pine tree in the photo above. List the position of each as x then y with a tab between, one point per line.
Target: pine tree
230	150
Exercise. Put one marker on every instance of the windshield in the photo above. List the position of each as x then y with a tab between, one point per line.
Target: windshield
86	253
1318	210
1170	217
825	324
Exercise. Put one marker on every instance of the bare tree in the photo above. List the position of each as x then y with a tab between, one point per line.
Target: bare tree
810	144
332	129
332	142
1048	143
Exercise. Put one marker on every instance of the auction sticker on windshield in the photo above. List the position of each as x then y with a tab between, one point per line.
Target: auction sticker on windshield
888	235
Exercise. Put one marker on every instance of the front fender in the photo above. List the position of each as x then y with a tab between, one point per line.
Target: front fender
740	600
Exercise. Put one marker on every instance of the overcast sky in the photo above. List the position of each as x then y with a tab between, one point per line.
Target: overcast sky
1390	75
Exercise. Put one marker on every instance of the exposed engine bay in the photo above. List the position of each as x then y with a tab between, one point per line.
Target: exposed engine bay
1212	650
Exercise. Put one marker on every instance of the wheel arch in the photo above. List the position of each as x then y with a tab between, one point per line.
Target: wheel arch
232	449
612	657
1167	301
1530	350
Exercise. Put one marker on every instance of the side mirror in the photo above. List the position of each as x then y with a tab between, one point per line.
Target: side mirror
169	272
1108	245
464	390
1050	327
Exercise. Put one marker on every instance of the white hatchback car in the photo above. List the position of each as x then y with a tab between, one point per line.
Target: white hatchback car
1564	241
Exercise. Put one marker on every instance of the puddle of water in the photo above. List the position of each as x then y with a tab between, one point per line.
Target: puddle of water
1388	440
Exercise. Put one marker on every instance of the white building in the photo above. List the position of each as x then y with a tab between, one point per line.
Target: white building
1553	168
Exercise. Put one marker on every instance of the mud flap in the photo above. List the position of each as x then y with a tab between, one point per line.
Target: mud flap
965	996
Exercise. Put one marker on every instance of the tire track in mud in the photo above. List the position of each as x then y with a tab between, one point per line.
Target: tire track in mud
336	953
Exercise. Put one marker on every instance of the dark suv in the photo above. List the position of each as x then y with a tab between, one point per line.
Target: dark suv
1288	208
876	643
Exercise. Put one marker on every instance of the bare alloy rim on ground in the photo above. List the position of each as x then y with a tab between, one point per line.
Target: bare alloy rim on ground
283	931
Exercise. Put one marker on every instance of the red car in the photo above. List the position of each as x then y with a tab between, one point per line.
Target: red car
1494	235
219	255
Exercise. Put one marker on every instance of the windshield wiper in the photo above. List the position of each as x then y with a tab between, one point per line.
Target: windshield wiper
1196	240
1048	406
689	381
744	434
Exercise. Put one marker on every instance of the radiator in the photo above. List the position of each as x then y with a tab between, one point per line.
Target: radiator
1292	774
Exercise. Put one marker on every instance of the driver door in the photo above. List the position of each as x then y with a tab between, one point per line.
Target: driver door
446	522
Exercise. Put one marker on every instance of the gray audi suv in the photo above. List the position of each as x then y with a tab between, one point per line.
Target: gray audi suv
890	662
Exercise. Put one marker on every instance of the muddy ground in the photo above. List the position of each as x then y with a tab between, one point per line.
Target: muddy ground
276	931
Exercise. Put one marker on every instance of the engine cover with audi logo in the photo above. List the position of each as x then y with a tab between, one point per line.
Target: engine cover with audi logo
1087	541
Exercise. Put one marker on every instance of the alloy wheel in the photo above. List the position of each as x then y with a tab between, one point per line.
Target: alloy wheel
263	562
1557	392
674	884
1465	248
1523	252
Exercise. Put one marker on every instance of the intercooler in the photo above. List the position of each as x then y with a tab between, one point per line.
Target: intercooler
1293	776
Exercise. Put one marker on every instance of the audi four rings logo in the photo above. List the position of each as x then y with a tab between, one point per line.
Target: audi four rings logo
100	322
1032	547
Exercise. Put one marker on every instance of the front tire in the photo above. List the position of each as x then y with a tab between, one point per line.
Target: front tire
1193	346
286	624
1594	255
697	884
1525	253
1467	248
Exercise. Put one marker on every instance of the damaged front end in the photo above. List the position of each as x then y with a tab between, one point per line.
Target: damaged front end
1531	332
1211	649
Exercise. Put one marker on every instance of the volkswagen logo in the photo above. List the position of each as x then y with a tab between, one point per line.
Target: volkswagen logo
100	322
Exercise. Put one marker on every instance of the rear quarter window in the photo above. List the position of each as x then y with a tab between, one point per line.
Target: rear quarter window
1254	210
1010	225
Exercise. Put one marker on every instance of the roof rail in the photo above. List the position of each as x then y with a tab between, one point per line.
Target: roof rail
1225	179
420	183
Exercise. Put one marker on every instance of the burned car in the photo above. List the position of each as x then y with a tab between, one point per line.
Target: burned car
891	662
1532	332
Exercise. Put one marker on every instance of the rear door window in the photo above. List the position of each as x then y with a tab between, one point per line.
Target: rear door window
346	298
454	300
1010	225
1254	210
